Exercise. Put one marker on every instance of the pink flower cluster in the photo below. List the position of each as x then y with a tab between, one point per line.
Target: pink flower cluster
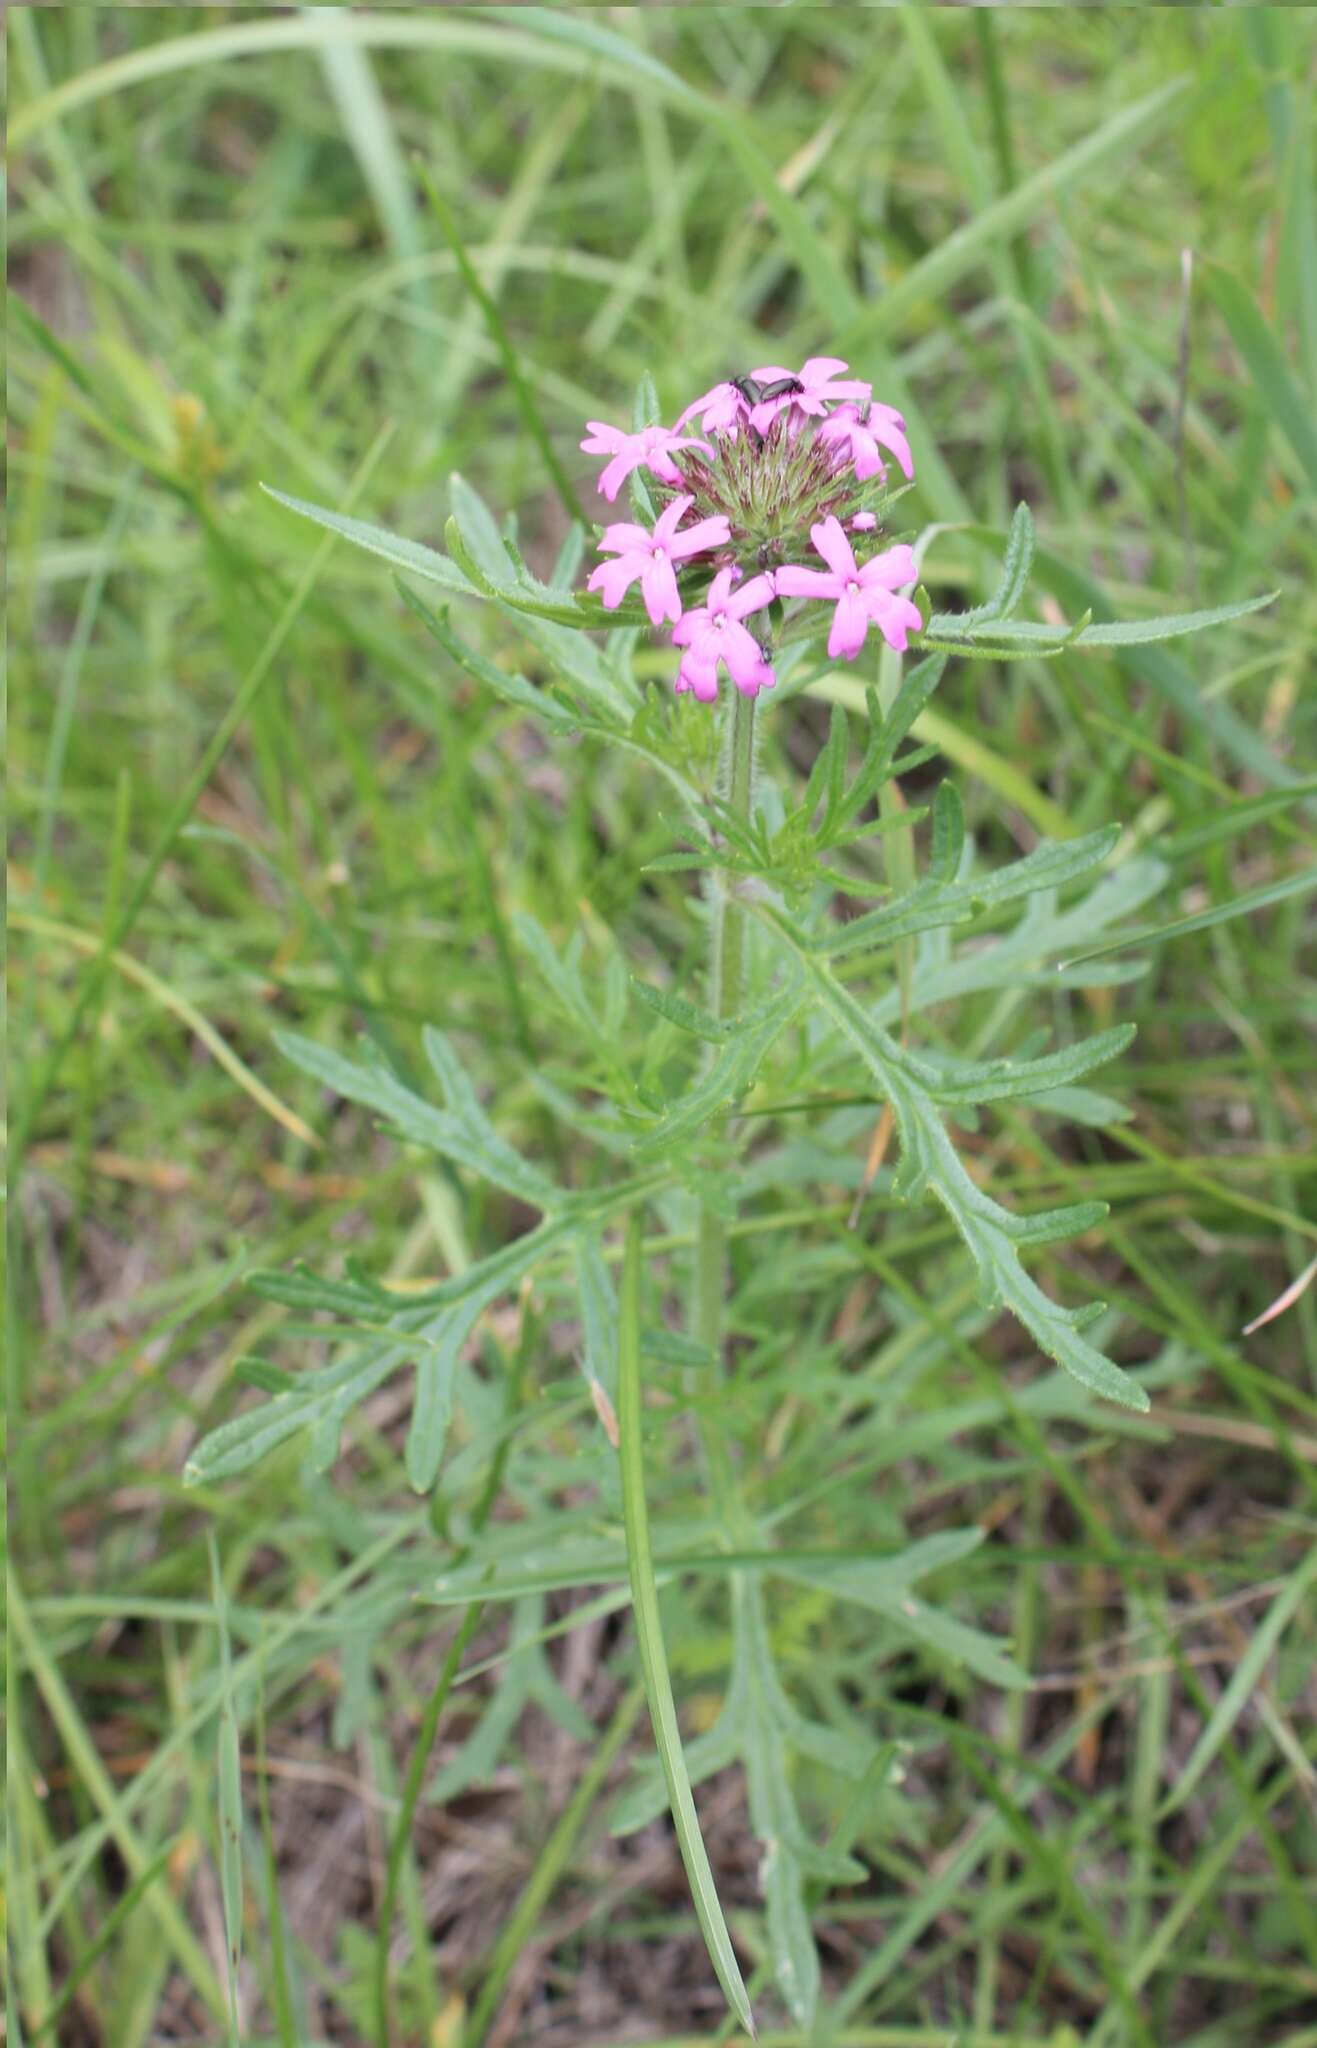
788	454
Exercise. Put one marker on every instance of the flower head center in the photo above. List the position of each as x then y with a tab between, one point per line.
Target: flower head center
784	457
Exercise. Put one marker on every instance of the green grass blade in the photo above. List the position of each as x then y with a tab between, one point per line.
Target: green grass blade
933	275
317	31
649	1638
1243	1681
1165	673
280	1991
833	293
120	1914
1234	818
173	1000
498	334
519	1929
228	1778
1300	884
86	1762
966	750
368	127
1267	366
179	815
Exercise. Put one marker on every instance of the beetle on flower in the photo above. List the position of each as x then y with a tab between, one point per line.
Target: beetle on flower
792	465
817	388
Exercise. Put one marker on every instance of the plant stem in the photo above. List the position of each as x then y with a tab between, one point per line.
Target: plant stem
728	960
726	974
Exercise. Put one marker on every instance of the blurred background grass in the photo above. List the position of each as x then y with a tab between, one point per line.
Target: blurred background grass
224	273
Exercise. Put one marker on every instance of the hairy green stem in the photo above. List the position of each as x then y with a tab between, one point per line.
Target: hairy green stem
728	959
726	975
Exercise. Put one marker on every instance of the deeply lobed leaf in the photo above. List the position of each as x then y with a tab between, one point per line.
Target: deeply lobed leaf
930	1161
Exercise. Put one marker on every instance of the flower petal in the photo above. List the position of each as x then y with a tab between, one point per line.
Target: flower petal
720	408
764	414
818	376
891	569
744	658
624	538
701	677
706	533
834	547
690	627
604	440
864	454
850	623
668	521
892	435
696	405
751	597
658	586
794	580
893	616
617	472
615	579
720	591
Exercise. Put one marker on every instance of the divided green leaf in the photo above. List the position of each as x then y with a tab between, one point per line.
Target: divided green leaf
929	1161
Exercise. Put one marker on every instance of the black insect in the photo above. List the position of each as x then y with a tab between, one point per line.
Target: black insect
756	394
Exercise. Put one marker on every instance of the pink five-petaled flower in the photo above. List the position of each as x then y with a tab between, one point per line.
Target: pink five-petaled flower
713	632
652	556
819	389
862	437
722	410
863	596
652	446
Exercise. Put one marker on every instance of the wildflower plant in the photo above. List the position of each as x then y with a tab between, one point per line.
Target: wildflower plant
764	544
